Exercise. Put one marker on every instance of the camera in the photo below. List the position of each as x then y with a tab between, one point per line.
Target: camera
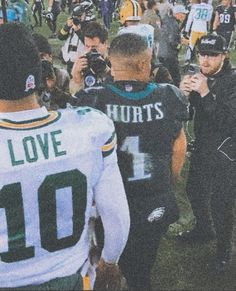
96	68
96	62
48	73
76	20
191	69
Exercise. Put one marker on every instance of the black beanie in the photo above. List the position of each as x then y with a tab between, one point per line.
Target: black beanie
20	64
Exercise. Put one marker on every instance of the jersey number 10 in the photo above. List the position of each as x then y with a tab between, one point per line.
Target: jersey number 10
12	201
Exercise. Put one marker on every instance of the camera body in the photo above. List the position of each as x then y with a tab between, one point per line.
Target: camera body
76	20
48	73
96	62
96	68
191	69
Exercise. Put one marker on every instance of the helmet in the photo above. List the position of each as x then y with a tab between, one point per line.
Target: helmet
130	10
83	11
87	4
78	11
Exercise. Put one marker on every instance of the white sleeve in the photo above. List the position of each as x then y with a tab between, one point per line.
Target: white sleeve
112	205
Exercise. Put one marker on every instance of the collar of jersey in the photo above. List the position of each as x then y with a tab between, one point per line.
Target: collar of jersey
25	115
135	95
28	119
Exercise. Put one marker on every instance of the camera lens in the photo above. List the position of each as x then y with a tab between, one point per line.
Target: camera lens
76	20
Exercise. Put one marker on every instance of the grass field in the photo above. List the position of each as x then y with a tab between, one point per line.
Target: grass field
178	267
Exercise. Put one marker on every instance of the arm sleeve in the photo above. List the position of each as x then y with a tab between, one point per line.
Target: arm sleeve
113	208
111	202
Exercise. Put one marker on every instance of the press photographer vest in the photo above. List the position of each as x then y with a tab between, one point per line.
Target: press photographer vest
72	48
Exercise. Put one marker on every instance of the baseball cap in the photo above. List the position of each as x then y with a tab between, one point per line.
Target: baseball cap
179	9
212	43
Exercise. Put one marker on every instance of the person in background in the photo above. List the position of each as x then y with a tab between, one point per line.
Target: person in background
130	18
54	89
151	17
198	24
170	40
225	18
211	184
38	7
73	33
106	10
55	165
17	11
164	8
53	11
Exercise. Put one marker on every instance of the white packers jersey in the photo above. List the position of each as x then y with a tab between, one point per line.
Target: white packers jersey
145	30
199	16
51	169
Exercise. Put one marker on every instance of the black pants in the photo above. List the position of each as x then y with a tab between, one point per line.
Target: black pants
140	254
228	35
211	189
52	24
38	9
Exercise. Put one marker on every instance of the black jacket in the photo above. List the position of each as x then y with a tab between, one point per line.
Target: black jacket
215	114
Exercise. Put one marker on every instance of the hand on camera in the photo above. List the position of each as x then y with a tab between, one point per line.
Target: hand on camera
69	22
79	65
185	85
199	84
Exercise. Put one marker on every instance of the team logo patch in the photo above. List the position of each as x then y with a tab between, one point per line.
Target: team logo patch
30	83
156	214
90	81
128	88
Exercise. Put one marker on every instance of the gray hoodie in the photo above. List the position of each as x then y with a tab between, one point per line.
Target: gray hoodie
169	38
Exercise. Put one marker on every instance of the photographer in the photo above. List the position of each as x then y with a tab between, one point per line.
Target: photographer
54	88
93	67
50	95
72	32
212	172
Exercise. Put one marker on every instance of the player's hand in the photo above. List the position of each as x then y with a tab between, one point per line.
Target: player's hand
108	276
199	84
185	85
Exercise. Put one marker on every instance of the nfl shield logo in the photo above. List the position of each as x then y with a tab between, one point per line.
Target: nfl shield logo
30	83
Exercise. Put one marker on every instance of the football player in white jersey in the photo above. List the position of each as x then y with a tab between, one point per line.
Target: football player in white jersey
197	24
54	166
130	17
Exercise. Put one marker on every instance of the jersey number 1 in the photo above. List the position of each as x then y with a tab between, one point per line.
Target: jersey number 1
140	160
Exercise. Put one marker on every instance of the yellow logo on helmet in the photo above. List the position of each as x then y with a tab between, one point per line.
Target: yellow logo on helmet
130	11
